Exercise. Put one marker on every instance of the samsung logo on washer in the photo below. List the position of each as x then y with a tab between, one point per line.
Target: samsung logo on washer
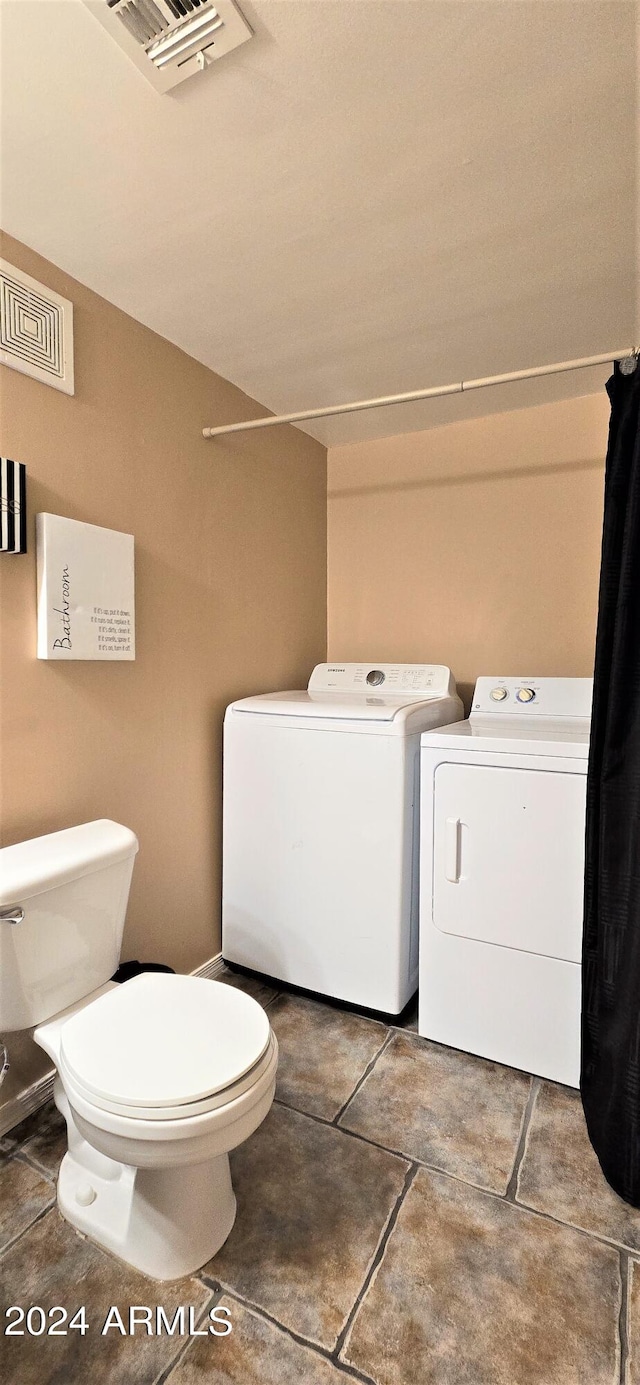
336	670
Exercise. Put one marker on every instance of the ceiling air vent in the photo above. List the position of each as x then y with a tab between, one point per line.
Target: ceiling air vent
36	329
170	40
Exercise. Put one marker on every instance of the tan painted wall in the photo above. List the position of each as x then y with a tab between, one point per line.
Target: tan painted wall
231	599
475	545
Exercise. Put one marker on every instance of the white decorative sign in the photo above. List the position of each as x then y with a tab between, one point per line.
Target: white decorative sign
85	591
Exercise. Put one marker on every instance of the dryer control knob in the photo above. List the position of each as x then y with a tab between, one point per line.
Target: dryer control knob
525	694
498	694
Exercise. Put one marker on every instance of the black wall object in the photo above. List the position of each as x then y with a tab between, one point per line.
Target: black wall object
127	970
610	1079
13	506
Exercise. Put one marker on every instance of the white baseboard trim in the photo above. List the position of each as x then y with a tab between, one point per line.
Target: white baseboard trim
24	1103
212	968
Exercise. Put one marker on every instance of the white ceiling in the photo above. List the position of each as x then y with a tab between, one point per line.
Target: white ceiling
370	196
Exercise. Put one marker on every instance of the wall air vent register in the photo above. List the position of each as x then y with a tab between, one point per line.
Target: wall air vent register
170	40
36	329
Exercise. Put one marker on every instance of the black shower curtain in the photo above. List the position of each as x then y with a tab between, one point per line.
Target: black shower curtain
610	1078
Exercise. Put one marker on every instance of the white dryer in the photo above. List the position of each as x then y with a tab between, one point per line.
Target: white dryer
320	829
502	875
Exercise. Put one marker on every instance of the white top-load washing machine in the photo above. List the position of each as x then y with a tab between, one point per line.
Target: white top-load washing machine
320	836
502	875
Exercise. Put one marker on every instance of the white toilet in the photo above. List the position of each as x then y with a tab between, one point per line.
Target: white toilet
158	1078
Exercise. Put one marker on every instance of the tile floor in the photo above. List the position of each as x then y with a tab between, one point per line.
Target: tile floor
407	1215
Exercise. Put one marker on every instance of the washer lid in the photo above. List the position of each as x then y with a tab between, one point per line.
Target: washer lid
370	706
358	693
162	1040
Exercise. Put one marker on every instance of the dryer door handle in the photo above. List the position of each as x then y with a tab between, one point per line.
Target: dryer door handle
452	849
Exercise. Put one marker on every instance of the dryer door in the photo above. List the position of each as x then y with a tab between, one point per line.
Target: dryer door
509	857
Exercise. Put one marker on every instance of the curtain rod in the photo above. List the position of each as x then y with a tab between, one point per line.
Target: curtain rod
414	395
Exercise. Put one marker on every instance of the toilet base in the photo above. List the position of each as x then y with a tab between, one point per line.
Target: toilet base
165	1222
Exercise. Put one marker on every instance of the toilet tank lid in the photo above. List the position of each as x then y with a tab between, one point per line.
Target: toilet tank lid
42	863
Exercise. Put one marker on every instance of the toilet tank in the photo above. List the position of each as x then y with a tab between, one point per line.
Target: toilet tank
72	888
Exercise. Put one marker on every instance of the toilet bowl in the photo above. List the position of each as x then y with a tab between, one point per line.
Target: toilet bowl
158	1079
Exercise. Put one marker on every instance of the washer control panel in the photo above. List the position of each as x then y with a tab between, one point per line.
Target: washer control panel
415	680
541	697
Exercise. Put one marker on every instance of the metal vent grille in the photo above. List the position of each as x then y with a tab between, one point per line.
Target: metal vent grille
170	40
36	329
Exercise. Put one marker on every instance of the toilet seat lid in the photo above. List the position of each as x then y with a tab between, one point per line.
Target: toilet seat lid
164	1040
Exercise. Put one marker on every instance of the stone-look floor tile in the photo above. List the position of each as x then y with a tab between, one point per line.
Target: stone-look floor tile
446	1108
52	1265
43	1136
323	1053
252	985
474	1291
255	1352
23	1195
312	1204
632	1374
560	1173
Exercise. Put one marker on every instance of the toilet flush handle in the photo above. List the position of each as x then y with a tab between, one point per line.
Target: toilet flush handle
14	914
